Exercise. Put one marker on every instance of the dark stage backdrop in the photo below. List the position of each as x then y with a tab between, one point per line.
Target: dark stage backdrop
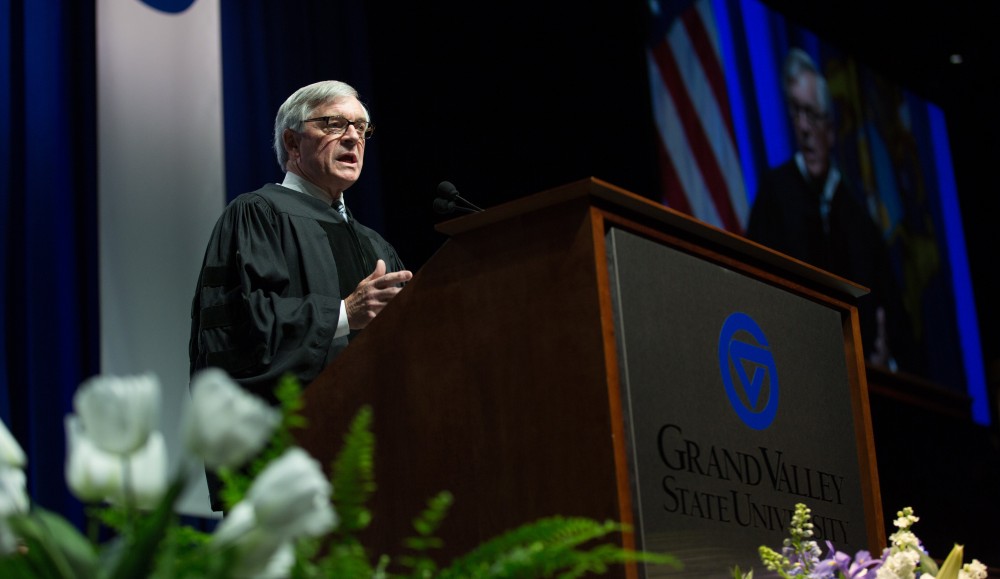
502	101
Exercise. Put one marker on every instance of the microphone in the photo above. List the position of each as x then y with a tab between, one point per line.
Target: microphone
447	190
446	206
452	200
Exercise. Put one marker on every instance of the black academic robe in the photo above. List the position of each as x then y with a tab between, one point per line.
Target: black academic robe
786	217
267	301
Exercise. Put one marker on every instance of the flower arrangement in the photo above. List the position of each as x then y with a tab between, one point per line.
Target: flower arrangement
905	558
284	516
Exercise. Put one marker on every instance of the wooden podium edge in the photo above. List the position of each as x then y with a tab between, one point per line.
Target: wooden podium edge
643	210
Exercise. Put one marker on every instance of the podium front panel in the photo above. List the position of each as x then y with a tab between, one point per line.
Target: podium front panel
737	402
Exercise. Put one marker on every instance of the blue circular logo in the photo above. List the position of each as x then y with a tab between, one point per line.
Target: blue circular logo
171	6
752	365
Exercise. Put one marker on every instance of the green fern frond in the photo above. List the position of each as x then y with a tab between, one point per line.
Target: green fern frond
345	561
428	522
111	516
543	547
288	392
599	559
186	536
290	400
353	474
551	532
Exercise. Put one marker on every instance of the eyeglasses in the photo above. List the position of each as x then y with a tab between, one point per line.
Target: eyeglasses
813	116
337	125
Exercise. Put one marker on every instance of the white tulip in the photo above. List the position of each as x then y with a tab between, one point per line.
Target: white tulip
237	526
147	474
8	540
291	497
13	488
91	473
13	496
278	566
94	475
11	452
258	553
226	425
288	500
13	500
118	413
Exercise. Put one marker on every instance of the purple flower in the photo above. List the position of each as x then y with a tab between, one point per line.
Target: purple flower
861	566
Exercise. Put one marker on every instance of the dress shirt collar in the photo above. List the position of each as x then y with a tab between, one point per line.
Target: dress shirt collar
832	177
297	183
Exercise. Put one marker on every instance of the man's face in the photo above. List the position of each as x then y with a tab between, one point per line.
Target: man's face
330	161
813	130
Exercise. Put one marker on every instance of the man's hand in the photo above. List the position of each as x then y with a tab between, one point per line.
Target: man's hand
372	294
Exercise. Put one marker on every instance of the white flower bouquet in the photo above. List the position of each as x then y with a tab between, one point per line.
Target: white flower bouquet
281	519
905	558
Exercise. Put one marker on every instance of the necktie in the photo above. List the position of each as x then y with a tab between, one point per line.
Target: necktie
339	206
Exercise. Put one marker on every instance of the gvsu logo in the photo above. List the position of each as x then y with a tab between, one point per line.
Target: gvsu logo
748	371
169	6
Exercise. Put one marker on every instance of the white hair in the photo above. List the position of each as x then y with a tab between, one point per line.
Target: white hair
301	104
797	63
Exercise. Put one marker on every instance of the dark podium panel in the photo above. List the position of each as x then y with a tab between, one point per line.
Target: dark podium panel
586	352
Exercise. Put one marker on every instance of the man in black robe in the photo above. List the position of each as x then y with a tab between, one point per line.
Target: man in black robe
288	275
804	208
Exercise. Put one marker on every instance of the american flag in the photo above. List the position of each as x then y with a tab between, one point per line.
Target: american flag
699	160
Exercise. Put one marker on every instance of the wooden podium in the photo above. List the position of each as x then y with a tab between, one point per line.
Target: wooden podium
543	361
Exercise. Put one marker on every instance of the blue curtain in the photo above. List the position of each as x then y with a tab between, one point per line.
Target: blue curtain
48	210
48	184
270	48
